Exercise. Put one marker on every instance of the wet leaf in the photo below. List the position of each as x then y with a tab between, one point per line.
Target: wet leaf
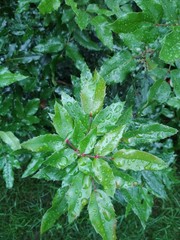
104	174
33	166
8	173
61	159
59	207
115	69
109	141
175	76
47	6
137	160
92	94
86	145
85	165
78	195
52	45
7	77
102	215
62	121
149	133
10	139
108	117
44	143
139	201
170	50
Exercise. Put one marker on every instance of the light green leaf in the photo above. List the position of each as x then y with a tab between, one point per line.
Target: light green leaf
175	76
85	165
47	6
33	166
171	10
61	159
7	77
59	207
74	109
92	94
78	195
44	143
52	45
170	50
115	69
160	91
8	174
109	141
174	102
139	201
10	139
86	145
78	133
130	22
108	117
62	121
103	30
126	117
137	160
149	133
152	8
104	174
102	215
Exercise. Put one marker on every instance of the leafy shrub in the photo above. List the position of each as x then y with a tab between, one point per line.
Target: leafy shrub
134	45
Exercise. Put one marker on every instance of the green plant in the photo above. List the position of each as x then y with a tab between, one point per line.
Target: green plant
91	156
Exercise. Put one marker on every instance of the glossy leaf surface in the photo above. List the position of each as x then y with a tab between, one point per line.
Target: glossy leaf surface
149	133
78	195
92	94
47	6
104	174
109	141
62	121
137	160
7	77
86	145
102	215
175	76
10	139
59	207
44	143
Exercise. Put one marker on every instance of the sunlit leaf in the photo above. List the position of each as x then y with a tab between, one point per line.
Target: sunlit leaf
10	139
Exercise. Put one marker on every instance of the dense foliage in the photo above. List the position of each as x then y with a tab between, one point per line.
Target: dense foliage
90	98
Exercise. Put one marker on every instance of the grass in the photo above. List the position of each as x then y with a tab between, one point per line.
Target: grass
22	208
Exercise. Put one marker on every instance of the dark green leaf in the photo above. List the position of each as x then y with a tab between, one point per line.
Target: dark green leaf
115	69
32	106
8	174
175	76
59	207
170	50
102	215
159	92
174	102
139	201
137	160
53	45
33	166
